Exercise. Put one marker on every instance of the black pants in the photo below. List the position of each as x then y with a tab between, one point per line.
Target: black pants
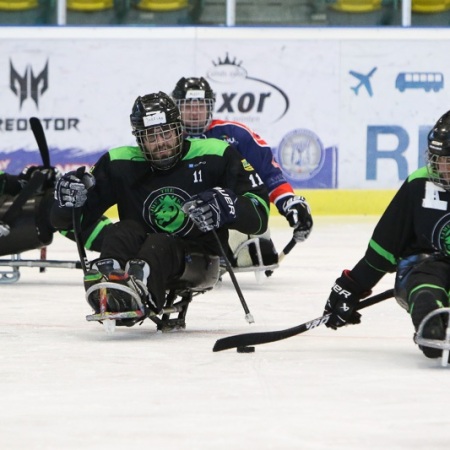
429	281
164	253
32	229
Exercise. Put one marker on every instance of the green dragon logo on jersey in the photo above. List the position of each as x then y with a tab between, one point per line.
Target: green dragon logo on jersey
168	214
163	211
441	235
445	238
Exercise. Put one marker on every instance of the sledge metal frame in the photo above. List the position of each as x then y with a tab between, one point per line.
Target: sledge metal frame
163	321
259	267
444	344
16	262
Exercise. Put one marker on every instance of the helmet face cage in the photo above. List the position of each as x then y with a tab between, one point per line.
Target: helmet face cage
156	123
438	153
195	99
196	114
439	169
161	145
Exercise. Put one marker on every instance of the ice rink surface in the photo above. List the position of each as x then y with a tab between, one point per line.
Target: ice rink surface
66	384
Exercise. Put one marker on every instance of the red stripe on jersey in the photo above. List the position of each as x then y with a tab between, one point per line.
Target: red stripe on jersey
282	189
258	139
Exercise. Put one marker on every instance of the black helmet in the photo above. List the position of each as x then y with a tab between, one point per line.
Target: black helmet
438	154
196	100
184	85
156	123
439	136
153	109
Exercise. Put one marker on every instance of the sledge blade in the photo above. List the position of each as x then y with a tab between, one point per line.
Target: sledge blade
115	316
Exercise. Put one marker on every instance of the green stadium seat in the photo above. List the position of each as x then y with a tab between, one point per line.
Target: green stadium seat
428	13
161	12
92	12
357	6
162	5
429	6
25	12
356	13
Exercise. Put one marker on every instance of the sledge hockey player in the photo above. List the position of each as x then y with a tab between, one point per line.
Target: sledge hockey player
411	239
196	101
23	207
25	203
175	196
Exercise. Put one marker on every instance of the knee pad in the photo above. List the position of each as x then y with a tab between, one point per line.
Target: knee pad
201	272
30	230
263	253
249	251
255	251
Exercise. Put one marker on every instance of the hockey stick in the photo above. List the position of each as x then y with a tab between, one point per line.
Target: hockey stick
63	264
287	249
76	219
39	135
244	340
248	315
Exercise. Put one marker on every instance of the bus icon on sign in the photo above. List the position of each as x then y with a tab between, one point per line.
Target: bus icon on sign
420	80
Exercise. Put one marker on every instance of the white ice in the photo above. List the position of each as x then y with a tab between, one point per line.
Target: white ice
66	384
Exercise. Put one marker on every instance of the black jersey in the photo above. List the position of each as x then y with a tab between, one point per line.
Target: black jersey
416	221
155	197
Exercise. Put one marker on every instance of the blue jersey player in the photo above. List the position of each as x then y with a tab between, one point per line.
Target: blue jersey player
196	101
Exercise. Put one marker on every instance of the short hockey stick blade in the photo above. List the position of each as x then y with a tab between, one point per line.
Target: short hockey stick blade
289	246
248	315
76	219
39	135
250	339
115	316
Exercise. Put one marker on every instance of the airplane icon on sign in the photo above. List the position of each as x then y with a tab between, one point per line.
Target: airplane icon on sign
364	80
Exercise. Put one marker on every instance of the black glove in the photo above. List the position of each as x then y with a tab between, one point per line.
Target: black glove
212	208
298	214
341	304
9	184
72	188
51	175
4	229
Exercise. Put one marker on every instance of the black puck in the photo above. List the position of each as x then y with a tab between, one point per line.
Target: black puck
245	349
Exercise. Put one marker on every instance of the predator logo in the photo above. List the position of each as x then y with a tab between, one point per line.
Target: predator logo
28	85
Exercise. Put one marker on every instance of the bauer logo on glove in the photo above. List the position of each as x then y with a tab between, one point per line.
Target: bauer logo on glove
341	304
212	208
297	213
